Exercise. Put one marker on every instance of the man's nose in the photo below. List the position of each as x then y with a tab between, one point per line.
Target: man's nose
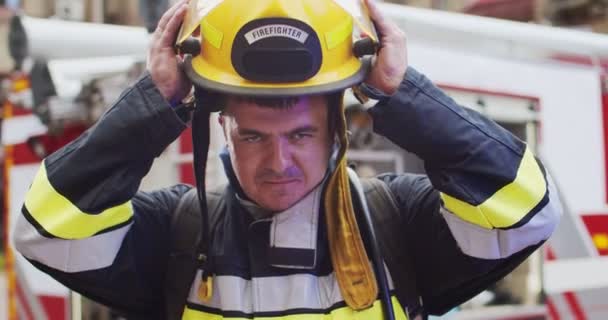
280	157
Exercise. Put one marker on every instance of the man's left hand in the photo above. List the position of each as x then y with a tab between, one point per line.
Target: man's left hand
390	63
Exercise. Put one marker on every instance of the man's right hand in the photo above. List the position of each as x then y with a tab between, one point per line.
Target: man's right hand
163	64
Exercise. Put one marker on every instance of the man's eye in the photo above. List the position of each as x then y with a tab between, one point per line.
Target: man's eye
251	138
300	136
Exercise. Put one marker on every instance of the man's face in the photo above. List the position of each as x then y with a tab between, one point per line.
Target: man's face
279	154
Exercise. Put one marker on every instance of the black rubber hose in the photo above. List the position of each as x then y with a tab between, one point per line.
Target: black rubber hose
377	260
378	263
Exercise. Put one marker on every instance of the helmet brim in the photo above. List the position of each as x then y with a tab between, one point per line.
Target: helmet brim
275	90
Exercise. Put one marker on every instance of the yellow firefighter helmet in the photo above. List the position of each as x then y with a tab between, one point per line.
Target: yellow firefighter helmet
276	47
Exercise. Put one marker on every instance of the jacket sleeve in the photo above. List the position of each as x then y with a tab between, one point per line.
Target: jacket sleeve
83	221
485	204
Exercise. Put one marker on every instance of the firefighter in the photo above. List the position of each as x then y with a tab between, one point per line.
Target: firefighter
288	239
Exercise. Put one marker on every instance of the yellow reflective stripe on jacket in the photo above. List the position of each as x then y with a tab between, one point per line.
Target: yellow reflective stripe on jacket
509	204
344	313
62	219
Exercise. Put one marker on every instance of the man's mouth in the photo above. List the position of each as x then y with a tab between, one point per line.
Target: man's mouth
280	181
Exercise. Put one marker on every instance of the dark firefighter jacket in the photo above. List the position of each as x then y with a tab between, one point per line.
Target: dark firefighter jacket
486	203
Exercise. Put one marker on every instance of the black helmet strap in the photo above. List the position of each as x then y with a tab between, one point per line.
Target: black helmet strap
200	145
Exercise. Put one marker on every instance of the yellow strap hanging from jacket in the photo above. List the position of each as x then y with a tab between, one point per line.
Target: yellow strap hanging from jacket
353	270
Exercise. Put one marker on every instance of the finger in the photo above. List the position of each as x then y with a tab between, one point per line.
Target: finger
169	34
382	24
162	23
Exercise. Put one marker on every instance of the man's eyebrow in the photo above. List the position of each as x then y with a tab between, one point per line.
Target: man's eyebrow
304	129
249	132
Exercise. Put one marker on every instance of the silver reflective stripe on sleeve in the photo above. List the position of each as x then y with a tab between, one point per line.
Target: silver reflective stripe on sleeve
483	243
70	256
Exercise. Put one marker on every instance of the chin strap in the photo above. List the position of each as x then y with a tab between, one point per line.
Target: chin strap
200	142
350	261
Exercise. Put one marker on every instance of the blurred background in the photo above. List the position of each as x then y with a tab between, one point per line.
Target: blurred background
537	67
